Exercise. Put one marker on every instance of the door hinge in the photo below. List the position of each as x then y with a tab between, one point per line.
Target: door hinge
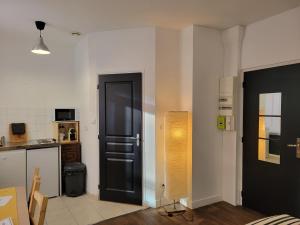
242	193
99	136
98	86
243	139
99	187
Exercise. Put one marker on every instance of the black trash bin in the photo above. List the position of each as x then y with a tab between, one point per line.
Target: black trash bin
74	179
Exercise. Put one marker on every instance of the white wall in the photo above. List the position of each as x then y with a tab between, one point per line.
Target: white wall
207	152
82	73
186	94
186	67
272	41
31	86
232	42
131	50
157	53
167	94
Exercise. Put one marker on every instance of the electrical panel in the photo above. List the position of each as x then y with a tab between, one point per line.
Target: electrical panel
226	103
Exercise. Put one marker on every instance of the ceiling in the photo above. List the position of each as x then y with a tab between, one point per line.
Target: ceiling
98	15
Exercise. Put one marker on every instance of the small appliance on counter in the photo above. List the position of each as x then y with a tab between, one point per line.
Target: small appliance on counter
72	134
2	141
17	132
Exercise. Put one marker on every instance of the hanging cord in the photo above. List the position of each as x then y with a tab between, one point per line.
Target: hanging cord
186	215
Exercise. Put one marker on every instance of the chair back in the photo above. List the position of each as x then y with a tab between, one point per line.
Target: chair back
41	201
35	186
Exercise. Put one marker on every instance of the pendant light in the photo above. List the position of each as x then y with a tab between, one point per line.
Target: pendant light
41	47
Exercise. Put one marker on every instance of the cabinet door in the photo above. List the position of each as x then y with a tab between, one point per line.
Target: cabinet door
71	153
47	159
13	168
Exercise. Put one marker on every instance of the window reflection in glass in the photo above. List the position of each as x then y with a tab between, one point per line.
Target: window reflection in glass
268	151
269	127
270	104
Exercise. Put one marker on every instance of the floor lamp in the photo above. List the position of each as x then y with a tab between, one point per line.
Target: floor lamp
177	136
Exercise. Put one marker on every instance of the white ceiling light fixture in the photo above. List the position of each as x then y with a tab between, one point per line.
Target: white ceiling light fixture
40	48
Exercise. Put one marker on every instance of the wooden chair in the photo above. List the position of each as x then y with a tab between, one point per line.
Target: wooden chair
36	183
41	201
35	186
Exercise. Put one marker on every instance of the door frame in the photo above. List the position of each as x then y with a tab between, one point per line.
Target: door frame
240	119
144	203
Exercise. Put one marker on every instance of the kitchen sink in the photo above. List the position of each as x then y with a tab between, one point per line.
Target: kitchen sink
45	141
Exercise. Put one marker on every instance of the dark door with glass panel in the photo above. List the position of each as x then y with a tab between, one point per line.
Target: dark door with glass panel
120	130
271	157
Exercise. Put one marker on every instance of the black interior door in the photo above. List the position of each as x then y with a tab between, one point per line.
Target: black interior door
271	170
120	135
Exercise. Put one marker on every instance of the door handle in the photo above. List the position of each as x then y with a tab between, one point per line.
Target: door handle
297	146
137	139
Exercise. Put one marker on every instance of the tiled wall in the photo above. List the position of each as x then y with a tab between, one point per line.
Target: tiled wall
38	121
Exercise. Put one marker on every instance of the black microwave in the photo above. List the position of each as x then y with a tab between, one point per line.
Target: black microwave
64	114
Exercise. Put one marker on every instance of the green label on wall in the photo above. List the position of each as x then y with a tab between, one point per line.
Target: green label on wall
221	122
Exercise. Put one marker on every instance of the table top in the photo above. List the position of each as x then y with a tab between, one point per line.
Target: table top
22	206
22	209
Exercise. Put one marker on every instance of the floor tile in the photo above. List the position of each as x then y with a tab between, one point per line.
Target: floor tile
86	215
55	204
62	217
84	210
73	202
132	208
109	210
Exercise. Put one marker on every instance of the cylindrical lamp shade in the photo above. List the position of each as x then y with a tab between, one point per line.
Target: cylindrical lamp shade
176	150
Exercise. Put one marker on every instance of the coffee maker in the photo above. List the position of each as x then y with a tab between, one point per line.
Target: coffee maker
72	134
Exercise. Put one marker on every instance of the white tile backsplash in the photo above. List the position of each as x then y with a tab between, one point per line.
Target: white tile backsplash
38	121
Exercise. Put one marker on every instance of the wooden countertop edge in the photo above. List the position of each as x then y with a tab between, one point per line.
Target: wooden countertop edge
28	146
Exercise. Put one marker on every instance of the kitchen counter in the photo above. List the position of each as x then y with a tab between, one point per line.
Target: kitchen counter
33	144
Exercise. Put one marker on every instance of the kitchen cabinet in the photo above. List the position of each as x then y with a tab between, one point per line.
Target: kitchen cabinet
70	153
47	159
13	168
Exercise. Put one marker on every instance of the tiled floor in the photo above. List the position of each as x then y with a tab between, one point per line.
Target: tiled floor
84	210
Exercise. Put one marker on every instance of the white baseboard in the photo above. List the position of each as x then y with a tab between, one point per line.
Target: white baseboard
192	205
195	204
159	203
206	201
92	196
186	202
150	204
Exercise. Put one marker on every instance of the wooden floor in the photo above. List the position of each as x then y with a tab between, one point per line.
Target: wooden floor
217	214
